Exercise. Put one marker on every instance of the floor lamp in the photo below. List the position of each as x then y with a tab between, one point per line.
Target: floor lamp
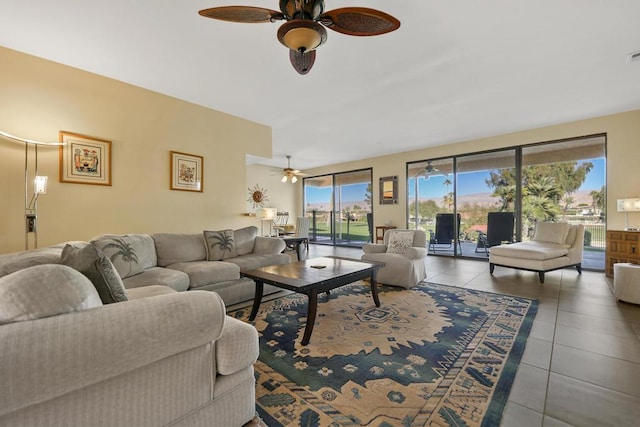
34	185
626	206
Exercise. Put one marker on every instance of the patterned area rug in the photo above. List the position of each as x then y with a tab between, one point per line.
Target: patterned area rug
434	355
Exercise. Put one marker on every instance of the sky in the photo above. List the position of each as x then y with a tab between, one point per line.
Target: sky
468	183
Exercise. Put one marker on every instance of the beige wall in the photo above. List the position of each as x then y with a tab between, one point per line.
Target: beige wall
623	160
38	98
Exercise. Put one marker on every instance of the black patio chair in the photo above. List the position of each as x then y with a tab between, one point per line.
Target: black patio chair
499	230
445	233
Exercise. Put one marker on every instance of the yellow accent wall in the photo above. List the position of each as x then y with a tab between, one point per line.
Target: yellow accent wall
39	98
623	161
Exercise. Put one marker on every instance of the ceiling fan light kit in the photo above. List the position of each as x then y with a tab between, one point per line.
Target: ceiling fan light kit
305	30
289	173
302	35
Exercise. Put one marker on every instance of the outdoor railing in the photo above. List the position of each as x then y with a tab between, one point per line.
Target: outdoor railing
595	236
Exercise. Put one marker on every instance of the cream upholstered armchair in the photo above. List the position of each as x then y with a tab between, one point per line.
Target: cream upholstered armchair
403	253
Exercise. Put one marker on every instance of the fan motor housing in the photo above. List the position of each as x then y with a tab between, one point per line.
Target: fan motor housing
309	9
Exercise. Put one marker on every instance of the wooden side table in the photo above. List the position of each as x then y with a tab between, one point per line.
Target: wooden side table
380	230
622	246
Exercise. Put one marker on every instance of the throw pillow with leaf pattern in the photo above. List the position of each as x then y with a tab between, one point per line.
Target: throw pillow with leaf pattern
220	245
122	254
399	242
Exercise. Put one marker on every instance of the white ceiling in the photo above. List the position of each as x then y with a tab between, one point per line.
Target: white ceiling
455	70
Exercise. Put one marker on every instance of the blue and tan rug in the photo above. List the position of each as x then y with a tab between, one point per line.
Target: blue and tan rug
434	355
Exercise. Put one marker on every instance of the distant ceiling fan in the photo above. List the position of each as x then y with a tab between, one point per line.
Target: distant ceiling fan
291	174
430	169
302	34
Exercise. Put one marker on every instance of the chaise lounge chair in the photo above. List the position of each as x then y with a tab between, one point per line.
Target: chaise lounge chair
555	245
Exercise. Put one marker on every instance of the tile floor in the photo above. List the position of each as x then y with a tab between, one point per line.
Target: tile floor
581	366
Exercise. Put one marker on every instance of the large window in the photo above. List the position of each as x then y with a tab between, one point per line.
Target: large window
340	207
554	181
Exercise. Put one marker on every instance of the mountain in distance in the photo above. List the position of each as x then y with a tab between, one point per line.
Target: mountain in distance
580	197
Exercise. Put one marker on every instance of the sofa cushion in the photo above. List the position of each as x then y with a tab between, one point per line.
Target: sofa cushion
252	261
245	239
530	250
203	273
399	242
149	291
172	248
551	232
122	253
176	280
220	244
43	291
93	263
268	245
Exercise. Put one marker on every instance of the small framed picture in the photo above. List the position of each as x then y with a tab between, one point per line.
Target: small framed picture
389	190
186	172
84	159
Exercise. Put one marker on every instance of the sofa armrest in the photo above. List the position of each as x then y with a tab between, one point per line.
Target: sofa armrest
416	253
374	248
237	348
268	245
49	357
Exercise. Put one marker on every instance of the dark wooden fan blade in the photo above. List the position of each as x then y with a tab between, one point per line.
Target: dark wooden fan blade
359	21
302	62
242	14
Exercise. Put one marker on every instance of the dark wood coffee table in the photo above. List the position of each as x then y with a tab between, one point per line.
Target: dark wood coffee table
303	277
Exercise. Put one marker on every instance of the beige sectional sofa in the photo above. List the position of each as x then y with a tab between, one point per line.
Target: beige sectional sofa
68	360
101	333
179	261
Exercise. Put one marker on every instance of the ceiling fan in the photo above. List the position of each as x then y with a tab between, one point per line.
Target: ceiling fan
291	174
430	169
303	32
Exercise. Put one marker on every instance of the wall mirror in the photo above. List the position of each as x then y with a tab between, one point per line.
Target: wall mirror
389	190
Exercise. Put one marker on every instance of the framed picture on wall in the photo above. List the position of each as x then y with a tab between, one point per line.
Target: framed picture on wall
84	159
186	172
389	190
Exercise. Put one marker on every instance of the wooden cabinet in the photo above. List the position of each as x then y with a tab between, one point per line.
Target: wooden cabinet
622	246
380	229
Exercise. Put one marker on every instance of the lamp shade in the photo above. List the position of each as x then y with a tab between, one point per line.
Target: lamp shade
267	213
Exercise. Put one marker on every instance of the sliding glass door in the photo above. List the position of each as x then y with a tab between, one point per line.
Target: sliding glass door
476	198
430	193
565	181
551	181
340	207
